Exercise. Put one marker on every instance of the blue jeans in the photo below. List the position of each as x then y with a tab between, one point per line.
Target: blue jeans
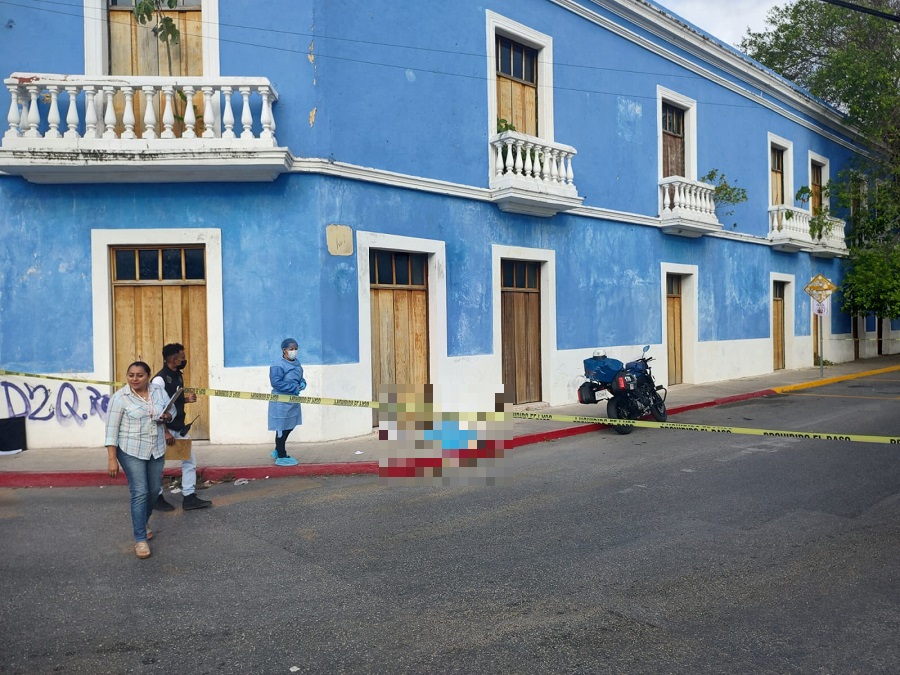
144	479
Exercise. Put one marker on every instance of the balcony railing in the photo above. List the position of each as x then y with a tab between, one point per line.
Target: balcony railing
532	176
60	118
789	231
687	207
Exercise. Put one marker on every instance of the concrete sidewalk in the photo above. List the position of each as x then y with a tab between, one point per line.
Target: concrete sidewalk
73	467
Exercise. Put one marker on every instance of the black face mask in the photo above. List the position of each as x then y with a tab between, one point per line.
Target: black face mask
181	365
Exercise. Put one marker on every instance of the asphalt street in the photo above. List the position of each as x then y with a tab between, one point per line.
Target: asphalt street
656	552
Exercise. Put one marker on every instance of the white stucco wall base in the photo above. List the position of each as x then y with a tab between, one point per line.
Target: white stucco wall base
68	414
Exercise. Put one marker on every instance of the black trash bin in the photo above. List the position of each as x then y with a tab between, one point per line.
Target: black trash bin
12	434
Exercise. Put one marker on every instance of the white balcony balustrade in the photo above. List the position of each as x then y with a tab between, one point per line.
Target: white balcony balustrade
833	239
198	128
687	207
789	231
532	176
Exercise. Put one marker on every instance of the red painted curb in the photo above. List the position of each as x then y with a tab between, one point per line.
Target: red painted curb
544	436
257	472
62	479
26	479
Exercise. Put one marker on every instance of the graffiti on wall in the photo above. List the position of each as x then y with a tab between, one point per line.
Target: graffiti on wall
37	402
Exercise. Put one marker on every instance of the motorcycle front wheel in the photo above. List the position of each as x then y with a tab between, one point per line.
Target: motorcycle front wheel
658	407
617	409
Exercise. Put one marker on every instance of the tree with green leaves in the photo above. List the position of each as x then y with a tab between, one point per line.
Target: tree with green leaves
850	60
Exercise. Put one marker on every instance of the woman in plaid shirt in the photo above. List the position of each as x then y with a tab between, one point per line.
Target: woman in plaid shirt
136	438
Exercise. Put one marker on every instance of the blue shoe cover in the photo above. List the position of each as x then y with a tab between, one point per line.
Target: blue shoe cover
286	461
274	454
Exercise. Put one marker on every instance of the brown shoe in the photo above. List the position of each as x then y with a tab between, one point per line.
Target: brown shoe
149	534
142	550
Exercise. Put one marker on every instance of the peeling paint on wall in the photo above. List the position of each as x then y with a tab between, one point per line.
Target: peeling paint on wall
312	116
628	120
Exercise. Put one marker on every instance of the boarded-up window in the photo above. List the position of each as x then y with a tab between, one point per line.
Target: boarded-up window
517	85
777	177
673	140
135	50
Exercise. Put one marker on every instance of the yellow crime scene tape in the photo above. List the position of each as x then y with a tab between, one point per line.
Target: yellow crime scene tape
859	438
500	416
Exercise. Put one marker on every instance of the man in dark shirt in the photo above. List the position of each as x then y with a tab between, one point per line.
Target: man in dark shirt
170	377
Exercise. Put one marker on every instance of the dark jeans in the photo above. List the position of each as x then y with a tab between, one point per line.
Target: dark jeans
144	483
280	441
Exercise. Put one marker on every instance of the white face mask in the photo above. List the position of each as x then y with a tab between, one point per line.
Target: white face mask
292	354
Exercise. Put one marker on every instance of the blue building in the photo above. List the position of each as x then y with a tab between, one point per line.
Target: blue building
472	194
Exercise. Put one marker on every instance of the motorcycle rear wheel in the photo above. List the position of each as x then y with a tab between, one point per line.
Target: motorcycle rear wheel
658	408
617	409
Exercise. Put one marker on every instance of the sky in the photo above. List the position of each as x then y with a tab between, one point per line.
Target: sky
725	19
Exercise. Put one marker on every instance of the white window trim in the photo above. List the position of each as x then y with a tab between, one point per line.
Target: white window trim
102	240
689	317
437	297
689	106
789	281
96	38
788	148
816	158
547	258
500	25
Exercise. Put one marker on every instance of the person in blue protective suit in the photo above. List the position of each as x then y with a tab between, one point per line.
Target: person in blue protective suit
286	377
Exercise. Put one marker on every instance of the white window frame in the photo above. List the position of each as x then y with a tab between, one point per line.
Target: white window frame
96	38
788	148
816	158
543	44
689	106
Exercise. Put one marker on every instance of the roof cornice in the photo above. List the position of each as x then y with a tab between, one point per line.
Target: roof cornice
757	80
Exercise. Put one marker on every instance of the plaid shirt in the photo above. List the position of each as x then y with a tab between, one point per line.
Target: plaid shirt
130	424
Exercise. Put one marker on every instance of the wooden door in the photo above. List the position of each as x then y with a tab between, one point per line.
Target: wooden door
398	284
673	325
517	85
778	325
776	175
673	140
134	50
159	297
520	328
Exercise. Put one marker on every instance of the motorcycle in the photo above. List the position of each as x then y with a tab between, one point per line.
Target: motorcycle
632	391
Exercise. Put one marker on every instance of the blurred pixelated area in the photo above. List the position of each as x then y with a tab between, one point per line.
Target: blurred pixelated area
430	446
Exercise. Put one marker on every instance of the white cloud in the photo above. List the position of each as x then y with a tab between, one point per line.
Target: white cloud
727	20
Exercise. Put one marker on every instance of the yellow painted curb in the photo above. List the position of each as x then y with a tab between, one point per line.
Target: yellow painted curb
832	380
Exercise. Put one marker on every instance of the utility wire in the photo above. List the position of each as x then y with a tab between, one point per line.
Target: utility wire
863	9
323	55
